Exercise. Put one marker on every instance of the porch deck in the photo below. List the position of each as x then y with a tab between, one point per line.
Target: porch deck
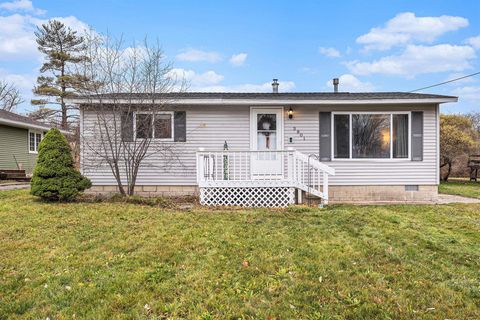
259	178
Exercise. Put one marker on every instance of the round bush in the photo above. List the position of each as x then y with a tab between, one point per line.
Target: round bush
54	176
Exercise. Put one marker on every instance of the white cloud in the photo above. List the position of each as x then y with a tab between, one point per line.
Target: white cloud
211	81
329	52
285	86
406	27
474	42
72	22
197	79
17	38
416	59
238	60
18	45
471	93
350	83
24	82
193	55
21	5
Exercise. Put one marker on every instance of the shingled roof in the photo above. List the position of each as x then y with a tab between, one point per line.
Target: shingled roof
280	96
17	120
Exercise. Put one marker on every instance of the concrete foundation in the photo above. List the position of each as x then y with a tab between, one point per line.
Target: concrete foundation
149	191
337	194
383	194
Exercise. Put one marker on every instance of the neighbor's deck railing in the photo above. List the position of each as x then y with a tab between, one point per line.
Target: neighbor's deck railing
263	168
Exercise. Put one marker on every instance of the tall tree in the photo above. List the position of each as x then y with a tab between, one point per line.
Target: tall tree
9	96
457	138
129	88
63	49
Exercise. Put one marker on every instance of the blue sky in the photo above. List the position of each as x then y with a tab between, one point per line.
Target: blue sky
242	45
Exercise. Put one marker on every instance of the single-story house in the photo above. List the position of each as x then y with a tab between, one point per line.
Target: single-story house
19	140
275	149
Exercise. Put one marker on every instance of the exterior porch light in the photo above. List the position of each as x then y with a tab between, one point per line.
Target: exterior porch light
290	113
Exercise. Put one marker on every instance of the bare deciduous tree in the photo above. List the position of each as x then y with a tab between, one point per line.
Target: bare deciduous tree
128	88
10	96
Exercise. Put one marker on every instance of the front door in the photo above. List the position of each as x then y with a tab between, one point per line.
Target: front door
267	139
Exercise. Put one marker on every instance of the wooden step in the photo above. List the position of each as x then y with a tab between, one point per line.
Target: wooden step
13	171
22	178
13	176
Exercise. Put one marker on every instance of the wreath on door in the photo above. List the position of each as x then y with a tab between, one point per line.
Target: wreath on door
267	122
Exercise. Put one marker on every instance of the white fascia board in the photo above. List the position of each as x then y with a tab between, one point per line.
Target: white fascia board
260	102
23	125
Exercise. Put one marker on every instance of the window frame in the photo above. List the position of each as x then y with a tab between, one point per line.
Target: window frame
172	116
35	132
350	136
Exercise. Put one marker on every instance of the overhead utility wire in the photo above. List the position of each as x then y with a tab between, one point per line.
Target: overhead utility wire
441	83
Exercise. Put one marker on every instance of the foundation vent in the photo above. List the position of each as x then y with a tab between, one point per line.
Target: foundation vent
411	188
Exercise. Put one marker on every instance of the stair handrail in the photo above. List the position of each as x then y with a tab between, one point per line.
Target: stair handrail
323	168
317	164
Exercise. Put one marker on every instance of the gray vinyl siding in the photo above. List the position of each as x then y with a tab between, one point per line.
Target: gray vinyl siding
14	145
207	127
369	172
210	126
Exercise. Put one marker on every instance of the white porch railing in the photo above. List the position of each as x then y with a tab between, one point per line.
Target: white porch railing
247	169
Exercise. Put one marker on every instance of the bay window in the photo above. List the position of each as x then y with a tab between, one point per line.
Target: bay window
370	135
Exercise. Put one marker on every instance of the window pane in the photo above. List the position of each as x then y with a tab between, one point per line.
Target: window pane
341	124
144	126
400	135
266	122
37	140
266	141
31	141
266	135
371	136
163	126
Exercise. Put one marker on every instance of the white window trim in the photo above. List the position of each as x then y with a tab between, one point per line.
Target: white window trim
36	147
390	113
171	113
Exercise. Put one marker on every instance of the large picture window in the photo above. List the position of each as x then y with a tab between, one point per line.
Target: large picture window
371	135
156	126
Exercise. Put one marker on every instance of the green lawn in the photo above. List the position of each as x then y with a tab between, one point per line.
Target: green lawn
104	260
461	187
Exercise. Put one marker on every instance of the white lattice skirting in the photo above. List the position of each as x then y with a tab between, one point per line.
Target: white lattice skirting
247	196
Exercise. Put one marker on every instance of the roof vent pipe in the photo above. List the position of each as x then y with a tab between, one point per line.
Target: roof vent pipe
275	85
335	85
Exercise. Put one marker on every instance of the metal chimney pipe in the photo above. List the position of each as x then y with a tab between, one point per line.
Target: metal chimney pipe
335	84
275	85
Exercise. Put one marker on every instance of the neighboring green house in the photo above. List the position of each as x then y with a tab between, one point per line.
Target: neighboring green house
19	140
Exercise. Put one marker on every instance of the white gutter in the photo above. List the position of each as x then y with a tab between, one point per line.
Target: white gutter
259	102
24	125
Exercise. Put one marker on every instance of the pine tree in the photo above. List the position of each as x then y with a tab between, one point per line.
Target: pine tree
54	176
63	49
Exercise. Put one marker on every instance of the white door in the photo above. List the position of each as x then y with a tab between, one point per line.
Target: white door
267	137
